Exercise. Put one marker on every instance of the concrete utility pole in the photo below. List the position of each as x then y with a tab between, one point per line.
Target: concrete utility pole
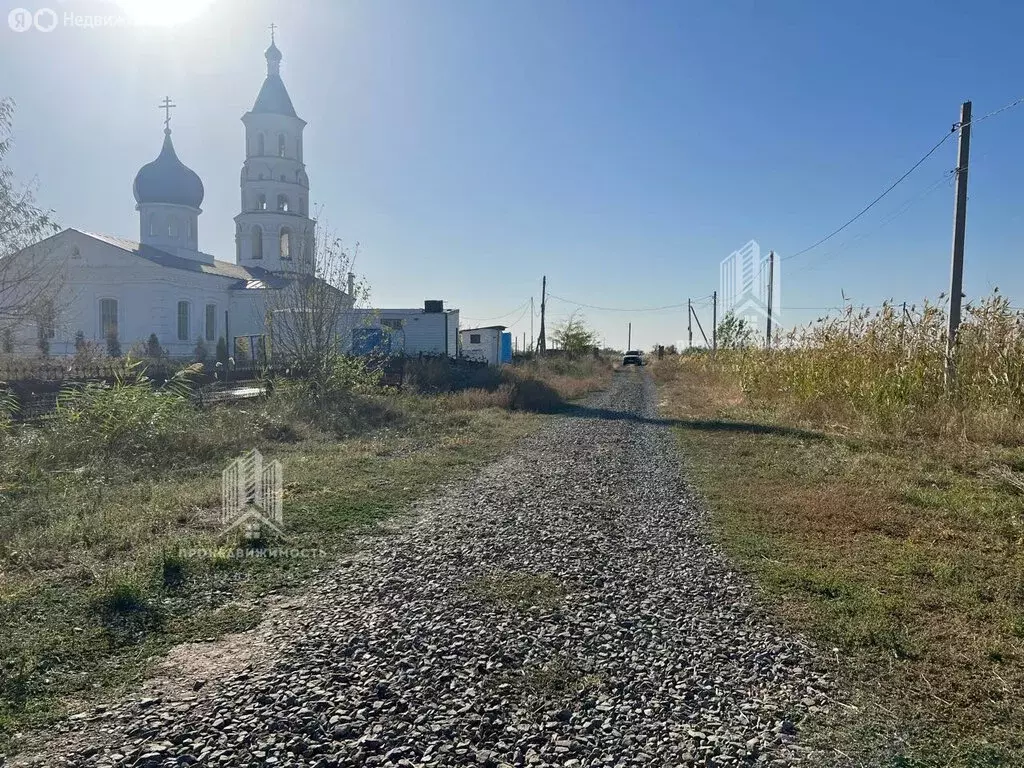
956	280
542	342
771	290
689	325
714	322
531	325
629	338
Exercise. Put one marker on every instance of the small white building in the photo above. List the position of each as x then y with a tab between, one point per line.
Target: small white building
427	330
483	344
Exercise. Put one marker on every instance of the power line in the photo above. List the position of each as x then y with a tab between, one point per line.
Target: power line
946	178
497	317
617	309
956	127
522	314
874	202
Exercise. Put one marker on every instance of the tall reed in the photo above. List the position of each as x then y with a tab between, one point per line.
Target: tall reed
885	369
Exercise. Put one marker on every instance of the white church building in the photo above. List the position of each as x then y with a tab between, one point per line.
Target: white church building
164	284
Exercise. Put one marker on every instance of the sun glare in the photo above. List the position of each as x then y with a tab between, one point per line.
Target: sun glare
162	13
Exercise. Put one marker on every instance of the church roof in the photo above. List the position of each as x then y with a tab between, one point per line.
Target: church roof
273	98
168	180
248	278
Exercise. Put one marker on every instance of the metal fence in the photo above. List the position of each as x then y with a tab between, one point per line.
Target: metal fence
35	386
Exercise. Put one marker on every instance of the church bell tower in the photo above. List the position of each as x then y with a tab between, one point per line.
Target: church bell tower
274	230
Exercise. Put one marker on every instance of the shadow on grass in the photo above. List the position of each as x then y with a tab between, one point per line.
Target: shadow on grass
704	425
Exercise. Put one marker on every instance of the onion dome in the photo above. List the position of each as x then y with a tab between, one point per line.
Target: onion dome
168	180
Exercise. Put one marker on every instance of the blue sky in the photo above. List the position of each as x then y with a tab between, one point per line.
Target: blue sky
621	148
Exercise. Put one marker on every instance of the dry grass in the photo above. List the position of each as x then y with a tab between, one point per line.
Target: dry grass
901	545
884	371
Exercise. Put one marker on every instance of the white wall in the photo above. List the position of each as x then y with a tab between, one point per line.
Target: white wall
421	332
147	298
488	349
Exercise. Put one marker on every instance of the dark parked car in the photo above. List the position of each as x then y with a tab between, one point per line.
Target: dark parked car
633	357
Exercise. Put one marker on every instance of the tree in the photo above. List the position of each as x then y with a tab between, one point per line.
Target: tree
153	348
222	350
574	335
735	332
201	352
113	343
28	282
310	318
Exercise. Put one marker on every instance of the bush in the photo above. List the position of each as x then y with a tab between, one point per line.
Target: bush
533	395
113	344
434	375
128	419
201	353
153	348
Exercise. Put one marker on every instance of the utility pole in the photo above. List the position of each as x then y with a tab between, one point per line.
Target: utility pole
956	281
771	290
714	322
629	338
689	325
542	342
532	337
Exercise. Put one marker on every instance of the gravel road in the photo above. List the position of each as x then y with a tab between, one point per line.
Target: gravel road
563	609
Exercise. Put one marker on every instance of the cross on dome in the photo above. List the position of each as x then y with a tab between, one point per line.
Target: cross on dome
166	106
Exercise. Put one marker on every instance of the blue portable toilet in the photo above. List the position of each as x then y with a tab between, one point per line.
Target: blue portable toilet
506	347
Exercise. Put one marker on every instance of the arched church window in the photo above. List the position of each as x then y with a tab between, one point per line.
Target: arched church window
108	317
152	225
189	232
260	148
261	203
282	203
257	242
298	144
184	320
280	145
172	228
302	205
286	243
283	178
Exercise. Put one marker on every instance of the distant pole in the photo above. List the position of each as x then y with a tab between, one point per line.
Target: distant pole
629	338
771	290
714	322
542	342
532	337
956	281
689	325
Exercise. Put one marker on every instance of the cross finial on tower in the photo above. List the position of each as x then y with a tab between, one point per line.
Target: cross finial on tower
272	27
166	106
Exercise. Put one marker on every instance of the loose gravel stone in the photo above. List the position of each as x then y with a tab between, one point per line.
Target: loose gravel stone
623	639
